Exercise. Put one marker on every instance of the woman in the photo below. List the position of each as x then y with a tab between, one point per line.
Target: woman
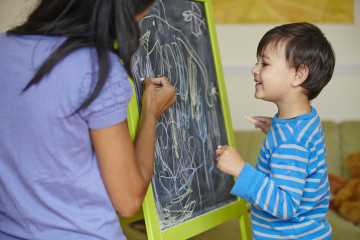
67	162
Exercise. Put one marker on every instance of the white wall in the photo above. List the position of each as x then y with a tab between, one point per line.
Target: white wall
13	12
339	101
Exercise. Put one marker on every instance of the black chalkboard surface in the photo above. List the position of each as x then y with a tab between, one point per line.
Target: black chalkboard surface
176	43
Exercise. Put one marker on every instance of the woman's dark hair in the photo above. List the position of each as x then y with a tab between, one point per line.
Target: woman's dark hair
86	23
305	45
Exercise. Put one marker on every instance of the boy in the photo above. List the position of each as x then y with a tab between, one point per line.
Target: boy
289	188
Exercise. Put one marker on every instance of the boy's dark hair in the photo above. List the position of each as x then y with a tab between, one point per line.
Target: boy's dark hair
86	23
305	44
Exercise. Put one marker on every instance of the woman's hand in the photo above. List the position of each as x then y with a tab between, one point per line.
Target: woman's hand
264	123
229	160
158	95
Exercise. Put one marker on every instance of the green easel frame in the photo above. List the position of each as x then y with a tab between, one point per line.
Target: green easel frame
213	218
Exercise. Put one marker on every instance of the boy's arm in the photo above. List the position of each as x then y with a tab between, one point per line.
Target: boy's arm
280	191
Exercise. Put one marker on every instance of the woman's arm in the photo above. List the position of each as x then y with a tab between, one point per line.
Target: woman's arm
127	167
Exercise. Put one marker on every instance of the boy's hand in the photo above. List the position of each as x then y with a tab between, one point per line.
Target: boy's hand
264	123
229	160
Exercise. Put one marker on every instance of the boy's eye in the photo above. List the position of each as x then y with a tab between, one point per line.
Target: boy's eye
264	64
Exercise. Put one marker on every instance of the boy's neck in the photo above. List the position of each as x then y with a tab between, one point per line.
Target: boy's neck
293	109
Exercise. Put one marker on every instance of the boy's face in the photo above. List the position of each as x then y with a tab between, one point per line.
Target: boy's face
273	75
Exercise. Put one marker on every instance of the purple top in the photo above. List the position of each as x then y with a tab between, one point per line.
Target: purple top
50	184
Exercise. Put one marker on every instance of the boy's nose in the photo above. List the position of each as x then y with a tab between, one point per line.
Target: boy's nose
255	70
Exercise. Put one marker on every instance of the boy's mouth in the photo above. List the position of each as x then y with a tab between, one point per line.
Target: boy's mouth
257	82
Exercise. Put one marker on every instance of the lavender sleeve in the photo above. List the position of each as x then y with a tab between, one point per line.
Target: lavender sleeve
110	106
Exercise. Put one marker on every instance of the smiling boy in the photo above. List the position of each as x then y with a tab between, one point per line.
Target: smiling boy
289	188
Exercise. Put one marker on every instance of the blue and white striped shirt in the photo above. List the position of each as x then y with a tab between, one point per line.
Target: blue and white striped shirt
289	188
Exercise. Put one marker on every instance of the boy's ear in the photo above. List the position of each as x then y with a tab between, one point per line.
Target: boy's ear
301	75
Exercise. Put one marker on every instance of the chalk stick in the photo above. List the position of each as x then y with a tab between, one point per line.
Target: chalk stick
142	79
250	119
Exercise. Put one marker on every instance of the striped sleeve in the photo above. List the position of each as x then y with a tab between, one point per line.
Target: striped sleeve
280	192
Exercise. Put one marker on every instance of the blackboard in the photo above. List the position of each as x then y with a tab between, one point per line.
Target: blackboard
176	42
